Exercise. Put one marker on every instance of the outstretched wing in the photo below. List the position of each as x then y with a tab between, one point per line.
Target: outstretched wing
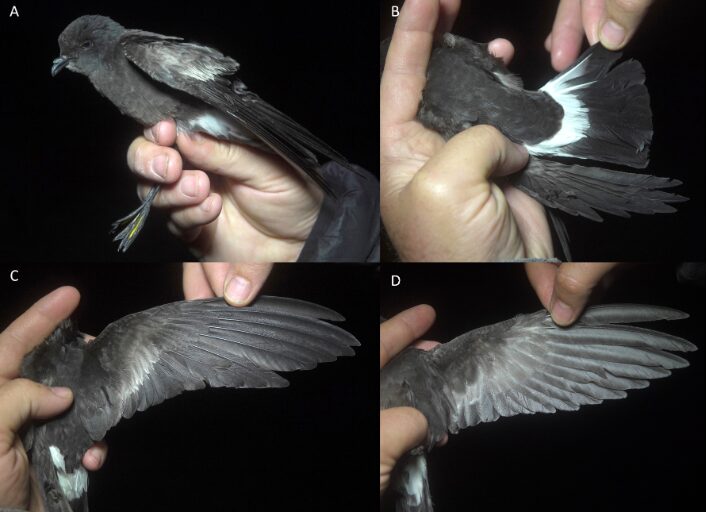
204	73
148	357
528	364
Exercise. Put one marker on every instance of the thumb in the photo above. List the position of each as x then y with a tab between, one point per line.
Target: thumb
573	285
623	18
473	156
244	281
22	400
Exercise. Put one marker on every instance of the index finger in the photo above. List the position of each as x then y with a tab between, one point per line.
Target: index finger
404	73
403	329
33	326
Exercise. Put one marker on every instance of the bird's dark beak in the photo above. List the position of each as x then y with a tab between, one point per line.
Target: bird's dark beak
59	63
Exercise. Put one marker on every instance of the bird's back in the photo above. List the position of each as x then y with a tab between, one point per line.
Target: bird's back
463	91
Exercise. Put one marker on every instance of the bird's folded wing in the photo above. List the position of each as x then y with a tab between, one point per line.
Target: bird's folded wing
156	354
203	72
582	190
171	60
528	364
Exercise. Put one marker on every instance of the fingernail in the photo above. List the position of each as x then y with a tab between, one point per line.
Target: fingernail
206	205
158	165
238	289
61	392
612	34
562	313
189	186
155	130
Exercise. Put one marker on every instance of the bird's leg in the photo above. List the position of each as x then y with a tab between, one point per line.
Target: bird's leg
128	227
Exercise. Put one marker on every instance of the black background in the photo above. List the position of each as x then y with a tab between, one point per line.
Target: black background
670	44
64	146
311	446
645	452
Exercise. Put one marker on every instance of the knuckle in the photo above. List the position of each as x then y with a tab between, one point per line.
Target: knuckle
631	6
486	133
570	285
488	138
230	154
137	155
22	386
432	189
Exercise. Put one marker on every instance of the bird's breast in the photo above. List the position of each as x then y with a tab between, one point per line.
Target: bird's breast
134	93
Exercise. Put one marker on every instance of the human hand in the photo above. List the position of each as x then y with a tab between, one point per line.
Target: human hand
564	289
437	199
401	428
612	22
23	400
255	207
238	283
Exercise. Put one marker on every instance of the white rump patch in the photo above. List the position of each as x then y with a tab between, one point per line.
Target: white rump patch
575	122
73	485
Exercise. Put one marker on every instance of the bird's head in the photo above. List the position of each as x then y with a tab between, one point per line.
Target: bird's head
84	42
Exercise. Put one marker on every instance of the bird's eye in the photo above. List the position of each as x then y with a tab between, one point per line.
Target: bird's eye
87	44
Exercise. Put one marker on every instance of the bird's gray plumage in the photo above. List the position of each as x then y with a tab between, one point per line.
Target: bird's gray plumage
525	365
151	77
598	109
147	357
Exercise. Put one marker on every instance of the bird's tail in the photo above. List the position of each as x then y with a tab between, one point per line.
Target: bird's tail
580	190
52	482
607	116
412	485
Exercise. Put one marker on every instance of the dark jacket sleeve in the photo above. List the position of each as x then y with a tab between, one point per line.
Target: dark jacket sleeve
348	226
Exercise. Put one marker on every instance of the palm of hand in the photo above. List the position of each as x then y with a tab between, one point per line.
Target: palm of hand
266	220
15	480
508	225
